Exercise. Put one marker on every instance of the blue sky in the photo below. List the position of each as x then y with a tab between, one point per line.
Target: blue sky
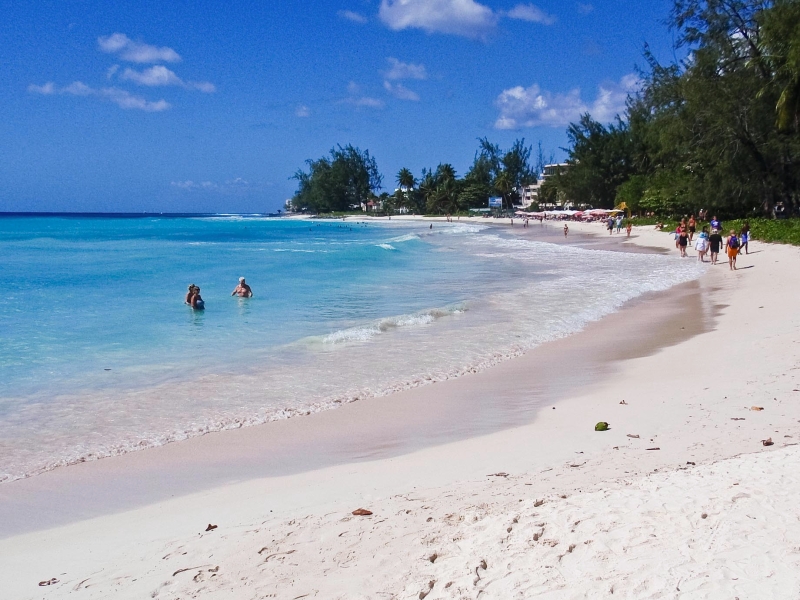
211	106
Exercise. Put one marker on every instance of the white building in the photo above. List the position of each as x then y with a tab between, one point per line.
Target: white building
529	194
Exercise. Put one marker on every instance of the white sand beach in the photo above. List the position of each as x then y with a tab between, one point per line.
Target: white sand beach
680	498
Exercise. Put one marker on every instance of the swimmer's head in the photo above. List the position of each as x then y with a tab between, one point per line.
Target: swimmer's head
241	279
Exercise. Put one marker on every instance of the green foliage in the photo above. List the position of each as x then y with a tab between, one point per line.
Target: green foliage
601	159
784	231
718	130
346	178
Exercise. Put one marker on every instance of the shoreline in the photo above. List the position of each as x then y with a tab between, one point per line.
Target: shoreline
687	422
201	462
213	381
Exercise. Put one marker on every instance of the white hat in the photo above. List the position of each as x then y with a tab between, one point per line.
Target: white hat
241	279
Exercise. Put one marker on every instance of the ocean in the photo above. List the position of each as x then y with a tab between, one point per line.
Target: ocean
99	355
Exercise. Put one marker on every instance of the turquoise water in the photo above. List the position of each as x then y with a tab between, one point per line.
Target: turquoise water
99	355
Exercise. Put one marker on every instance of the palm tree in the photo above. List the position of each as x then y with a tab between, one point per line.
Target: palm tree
503	184
406	184
405	179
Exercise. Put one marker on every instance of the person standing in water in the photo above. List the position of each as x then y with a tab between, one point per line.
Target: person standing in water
692	228
628	228
242	290
683	241
566	229
196	301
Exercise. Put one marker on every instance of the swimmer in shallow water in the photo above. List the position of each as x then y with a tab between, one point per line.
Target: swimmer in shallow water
242	290
196	301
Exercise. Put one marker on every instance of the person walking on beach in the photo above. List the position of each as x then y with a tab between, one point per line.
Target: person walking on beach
610	225
242	290
619	223
566	229
733	250
683	241
628	228
744	236
716	223
714	244
701	245
692	228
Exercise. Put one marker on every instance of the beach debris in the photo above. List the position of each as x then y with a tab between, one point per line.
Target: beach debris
654	448
428	591
601	426
483	566
211	527
189	569
633	435
688	462
276	553
704	516
501	474
433	557
538	503
757	408
767	442
52	581
362	512
737	418
624	403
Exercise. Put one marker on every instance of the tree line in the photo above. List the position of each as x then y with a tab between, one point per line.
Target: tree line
348	176
716	130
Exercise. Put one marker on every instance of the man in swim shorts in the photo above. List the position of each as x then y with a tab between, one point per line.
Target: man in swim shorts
714	242
242	290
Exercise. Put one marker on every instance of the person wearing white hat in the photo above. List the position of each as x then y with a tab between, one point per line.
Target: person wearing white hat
242	290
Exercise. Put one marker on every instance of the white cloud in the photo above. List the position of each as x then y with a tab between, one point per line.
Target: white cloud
126	100
302	111
585	9
458	17
47	89
358	99
190	185
532	106
400	91
121	98
154	76
112	70
531	13
77	88
204	86
352	16
366	101
160	75
401	70
138	52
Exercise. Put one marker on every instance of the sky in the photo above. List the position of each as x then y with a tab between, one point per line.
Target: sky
212	106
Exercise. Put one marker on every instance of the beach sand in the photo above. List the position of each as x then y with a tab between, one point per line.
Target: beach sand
493	484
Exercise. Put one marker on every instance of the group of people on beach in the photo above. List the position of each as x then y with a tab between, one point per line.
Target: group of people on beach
616	223
195	300
712	241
